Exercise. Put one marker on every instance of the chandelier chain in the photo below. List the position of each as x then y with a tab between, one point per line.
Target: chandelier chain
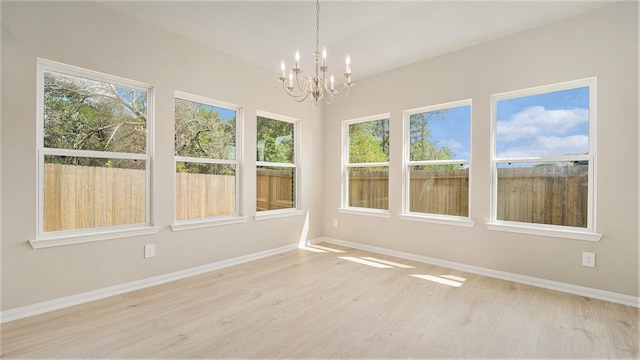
317	25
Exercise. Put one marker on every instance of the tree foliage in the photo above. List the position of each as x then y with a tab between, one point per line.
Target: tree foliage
200	132
275	141
369	141
422	147
83	114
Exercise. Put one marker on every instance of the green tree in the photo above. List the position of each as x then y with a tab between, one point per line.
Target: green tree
369	141
201	133
275	141
83	114
422	147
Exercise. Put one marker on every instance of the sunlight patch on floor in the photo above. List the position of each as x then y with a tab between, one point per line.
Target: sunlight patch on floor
326	248
387	262
366	262
312	249
439	280
454	278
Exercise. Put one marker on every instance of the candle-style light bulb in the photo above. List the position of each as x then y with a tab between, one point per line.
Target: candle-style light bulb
333	82
282	67
348	62
291	80
324	56
297	59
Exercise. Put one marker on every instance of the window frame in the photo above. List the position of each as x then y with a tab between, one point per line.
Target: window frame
237	217
588	233
66	237
407	214
346	165
296	209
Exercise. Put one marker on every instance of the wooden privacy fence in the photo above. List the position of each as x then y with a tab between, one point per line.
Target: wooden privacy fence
78	197
369	189
554	195
432	191
204	195
274	189
442	191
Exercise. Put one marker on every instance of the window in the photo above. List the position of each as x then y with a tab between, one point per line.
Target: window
276	154
94	150
437	151
366	159
206	158
544	158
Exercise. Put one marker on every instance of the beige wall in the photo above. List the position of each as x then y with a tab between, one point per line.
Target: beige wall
603	43
94	37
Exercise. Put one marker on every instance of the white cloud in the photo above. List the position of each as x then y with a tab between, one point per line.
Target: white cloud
536	121
450	143
549	146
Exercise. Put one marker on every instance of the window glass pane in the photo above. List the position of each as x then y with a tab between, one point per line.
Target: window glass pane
83	114
275	188
81	193
275	141
544	193
440	135
205	190
550	124
204	131
439	189
369	141
369	187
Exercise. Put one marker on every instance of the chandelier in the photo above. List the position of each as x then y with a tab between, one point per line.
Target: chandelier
315	86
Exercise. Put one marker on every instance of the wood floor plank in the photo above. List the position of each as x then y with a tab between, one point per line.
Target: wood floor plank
304	304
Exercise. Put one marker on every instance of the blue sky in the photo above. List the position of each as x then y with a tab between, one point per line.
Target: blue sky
551	124
453	130
223	113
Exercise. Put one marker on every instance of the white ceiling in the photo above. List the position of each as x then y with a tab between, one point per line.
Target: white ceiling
379	35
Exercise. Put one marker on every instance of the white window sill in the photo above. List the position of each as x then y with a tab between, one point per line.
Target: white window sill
274	214
366	212
47	241
445	220
522	228
197	224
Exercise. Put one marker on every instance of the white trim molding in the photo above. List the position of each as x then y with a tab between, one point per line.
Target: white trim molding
55	304
503	275
66	238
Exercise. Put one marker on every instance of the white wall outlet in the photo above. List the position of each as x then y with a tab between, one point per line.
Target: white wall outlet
588	259
335	222
149	251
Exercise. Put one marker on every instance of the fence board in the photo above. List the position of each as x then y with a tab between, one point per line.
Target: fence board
78	197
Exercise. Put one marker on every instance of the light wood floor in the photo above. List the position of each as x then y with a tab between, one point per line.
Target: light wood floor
304	304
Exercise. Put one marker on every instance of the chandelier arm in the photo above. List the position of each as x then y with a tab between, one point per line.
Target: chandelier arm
290	91
342	93
305	81
329	99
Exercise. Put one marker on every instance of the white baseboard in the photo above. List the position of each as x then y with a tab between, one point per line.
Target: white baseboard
522	279
55	304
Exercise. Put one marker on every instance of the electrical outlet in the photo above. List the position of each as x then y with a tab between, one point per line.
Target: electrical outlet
149	251
588	259
335	222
